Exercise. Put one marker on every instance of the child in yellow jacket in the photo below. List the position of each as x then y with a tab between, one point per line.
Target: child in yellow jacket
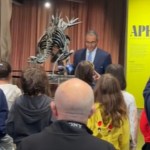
110	122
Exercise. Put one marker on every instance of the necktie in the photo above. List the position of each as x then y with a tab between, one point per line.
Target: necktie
89	57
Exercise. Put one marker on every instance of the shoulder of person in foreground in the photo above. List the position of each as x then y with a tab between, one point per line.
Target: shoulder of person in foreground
37	141
3	113
146	94
12	92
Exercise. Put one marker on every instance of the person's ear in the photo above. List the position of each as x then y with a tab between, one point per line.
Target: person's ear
92	111
54	109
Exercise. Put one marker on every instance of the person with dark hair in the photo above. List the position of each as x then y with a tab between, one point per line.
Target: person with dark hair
117	71
61	59
100	58
110	120
145	117
30	112
6	142
72	106
86	72
11	91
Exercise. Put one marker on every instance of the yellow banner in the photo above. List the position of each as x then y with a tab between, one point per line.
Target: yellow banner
138	48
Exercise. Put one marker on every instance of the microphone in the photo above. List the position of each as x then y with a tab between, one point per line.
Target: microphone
65	55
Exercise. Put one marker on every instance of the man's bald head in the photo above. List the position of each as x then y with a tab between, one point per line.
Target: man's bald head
74	100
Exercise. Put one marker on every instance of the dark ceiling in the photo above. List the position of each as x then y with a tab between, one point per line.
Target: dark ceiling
18	1
22	1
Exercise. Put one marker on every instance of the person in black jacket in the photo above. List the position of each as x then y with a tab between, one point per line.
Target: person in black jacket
72	106
6	142
30	112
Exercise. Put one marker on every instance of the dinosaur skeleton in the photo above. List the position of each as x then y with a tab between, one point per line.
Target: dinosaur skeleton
54	36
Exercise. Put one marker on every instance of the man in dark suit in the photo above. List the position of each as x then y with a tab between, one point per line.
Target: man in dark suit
97	56
72	106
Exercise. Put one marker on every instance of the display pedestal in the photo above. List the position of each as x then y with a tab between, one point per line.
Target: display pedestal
55	80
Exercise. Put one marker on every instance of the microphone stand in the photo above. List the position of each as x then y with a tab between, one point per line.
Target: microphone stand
53	71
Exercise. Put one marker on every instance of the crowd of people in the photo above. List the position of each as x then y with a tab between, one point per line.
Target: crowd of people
93	110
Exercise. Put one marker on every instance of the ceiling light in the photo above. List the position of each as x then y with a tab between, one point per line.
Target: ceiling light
47	4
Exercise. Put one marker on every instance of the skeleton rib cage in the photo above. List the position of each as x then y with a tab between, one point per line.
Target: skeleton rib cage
54	35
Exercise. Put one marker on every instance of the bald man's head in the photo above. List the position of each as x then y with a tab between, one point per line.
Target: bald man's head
74	100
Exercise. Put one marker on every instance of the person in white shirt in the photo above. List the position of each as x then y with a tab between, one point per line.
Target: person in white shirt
10	90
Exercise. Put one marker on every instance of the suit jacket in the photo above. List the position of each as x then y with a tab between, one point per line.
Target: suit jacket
64	135
101	61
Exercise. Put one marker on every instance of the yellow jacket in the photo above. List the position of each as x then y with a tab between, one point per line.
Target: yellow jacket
119	137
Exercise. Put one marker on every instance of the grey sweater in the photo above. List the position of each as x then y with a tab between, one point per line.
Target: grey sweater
28	115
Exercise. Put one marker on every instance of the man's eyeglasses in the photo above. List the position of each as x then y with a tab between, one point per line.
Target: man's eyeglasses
90	43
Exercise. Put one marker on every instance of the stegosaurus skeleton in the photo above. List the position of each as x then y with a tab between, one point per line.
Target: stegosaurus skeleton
55	34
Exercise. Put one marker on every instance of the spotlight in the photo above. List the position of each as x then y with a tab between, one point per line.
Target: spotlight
47	4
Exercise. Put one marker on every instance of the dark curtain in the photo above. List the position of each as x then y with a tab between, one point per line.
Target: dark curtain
29	21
